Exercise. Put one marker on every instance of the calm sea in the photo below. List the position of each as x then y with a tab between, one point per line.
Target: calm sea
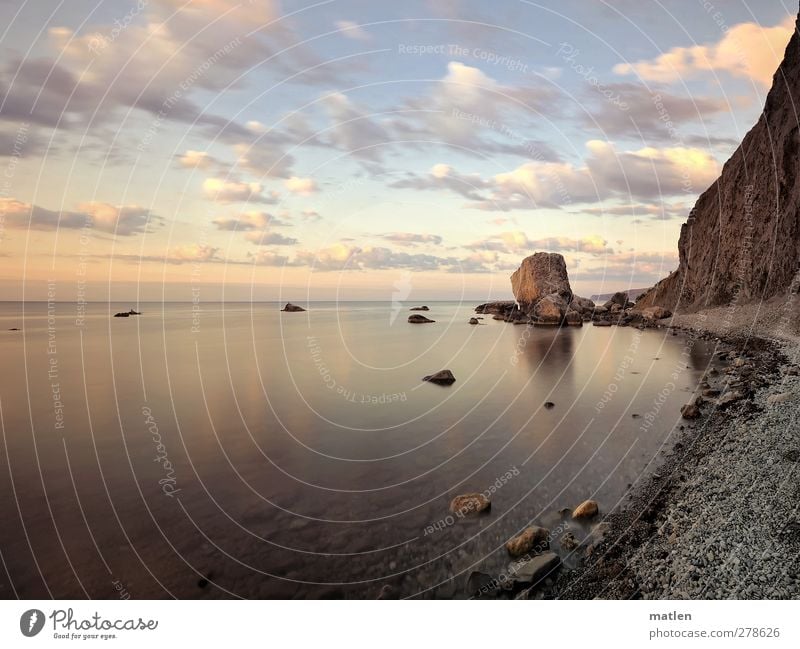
231	450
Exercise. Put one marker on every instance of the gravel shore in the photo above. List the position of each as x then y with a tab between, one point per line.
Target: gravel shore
721	519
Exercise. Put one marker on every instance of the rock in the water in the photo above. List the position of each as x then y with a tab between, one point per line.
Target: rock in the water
690	411
123	314
479	583
419	308
416	318
474	321
442	377
534	570
500	307
601	323
541	274
549	404
573	319
532	539
568	542
465	504
292	308
587	509
551	309
582	305
655	313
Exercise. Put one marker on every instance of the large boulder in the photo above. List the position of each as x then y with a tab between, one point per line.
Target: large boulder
541	274
534	570
618	300
500	307
582	305
655	313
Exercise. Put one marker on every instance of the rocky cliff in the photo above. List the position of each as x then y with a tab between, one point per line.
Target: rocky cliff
741	242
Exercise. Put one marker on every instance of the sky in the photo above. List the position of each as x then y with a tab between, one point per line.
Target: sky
264	150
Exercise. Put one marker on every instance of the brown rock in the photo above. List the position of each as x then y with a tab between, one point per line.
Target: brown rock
474	321
690	411
550	309
587	509
536	569
532	539
568	542
541	274
466	504
656	313
416	318
292	308
419	308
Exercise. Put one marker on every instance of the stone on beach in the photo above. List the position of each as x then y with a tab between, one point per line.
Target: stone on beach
655	313
532	538
474	321
474	503
690	411
587	509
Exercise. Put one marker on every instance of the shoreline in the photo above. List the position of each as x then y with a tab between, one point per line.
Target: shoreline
719	519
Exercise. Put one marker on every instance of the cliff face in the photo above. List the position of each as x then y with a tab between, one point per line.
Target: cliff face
741	242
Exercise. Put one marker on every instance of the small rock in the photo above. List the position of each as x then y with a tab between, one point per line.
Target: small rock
587	509
779	398
465	504
473	321
419	308
442	377
549	404
568	541
416	318
690	411
292	308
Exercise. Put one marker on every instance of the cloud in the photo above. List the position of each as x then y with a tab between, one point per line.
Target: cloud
228	191
518	242
269	239
122	220
411	238
352	30
658	211
646	173
638	268
746	50
248	221
192	252
196	160
652	112
303	186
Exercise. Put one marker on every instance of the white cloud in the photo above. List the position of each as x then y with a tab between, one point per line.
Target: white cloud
352	30
228	191
302	186
746	50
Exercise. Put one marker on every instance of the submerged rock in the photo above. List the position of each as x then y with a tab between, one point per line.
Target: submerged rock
442	377
530	539
587	509
474	321
474	503
534	570
419	319
123	314
419	308
292	308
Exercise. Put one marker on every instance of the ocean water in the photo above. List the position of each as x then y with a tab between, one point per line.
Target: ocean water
232	450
